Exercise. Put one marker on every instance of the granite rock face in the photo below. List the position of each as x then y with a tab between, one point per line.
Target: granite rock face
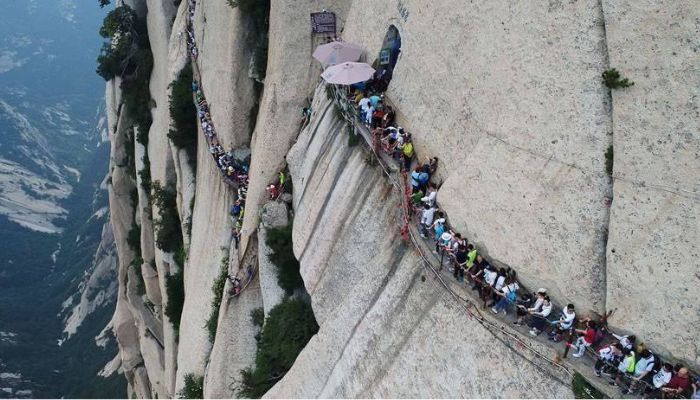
509	96
654	243
386	330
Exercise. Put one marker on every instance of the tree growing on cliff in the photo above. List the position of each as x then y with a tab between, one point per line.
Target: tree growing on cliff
280	241
611	79
288	328
183	113
167	224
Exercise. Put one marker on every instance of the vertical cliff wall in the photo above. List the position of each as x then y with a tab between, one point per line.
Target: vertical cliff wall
653	273
508	95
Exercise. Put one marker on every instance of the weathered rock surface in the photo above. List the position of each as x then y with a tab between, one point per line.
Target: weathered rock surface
511	102
290	78
654	243
274	215
93	293
385	331
509	97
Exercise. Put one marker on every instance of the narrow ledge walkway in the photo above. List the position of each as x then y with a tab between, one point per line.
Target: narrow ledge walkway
545	355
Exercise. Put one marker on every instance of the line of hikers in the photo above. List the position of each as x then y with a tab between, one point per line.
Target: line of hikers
629	365
233	170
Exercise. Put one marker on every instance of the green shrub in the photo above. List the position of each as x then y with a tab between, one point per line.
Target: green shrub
583	389
145	175
257	315
288	328
611	79
353	139
183	114
218	290
279	240
127	54
194	387
175	289
167	226
609	158
136	93
257	11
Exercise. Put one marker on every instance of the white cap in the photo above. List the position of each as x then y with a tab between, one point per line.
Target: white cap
541	290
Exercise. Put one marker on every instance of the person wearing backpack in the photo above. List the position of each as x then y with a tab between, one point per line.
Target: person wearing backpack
508	295
626	366
642	369
606	358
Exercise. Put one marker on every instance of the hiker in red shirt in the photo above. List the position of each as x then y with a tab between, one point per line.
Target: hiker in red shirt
586	340
679	384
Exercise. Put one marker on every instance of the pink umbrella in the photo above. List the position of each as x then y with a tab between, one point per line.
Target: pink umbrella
337	52
348	73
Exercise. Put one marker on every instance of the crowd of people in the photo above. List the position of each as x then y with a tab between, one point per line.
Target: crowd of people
626	363
234	171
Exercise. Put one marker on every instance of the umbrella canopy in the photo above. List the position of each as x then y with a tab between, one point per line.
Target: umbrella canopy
337	52
348	73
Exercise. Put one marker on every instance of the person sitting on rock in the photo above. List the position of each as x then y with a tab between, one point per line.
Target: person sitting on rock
528	301
642	369
538	319
585	340
565	322
625	366
507	296
627	341
659	380
678	385
608	356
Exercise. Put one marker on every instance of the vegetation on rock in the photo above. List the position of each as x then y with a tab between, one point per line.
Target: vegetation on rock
194	387
609	159
279	240
257	316
167	225
184	115
218	290
175	289
611	79
258	12
127	54
583	389
288	328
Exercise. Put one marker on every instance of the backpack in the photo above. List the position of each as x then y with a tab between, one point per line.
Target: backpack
512	296
630	368
657	364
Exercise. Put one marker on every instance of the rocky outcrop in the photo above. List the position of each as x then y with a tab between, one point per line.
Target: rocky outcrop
290	78
92	291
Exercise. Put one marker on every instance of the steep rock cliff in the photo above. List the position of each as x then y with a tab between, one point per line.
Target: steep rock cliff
509	96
